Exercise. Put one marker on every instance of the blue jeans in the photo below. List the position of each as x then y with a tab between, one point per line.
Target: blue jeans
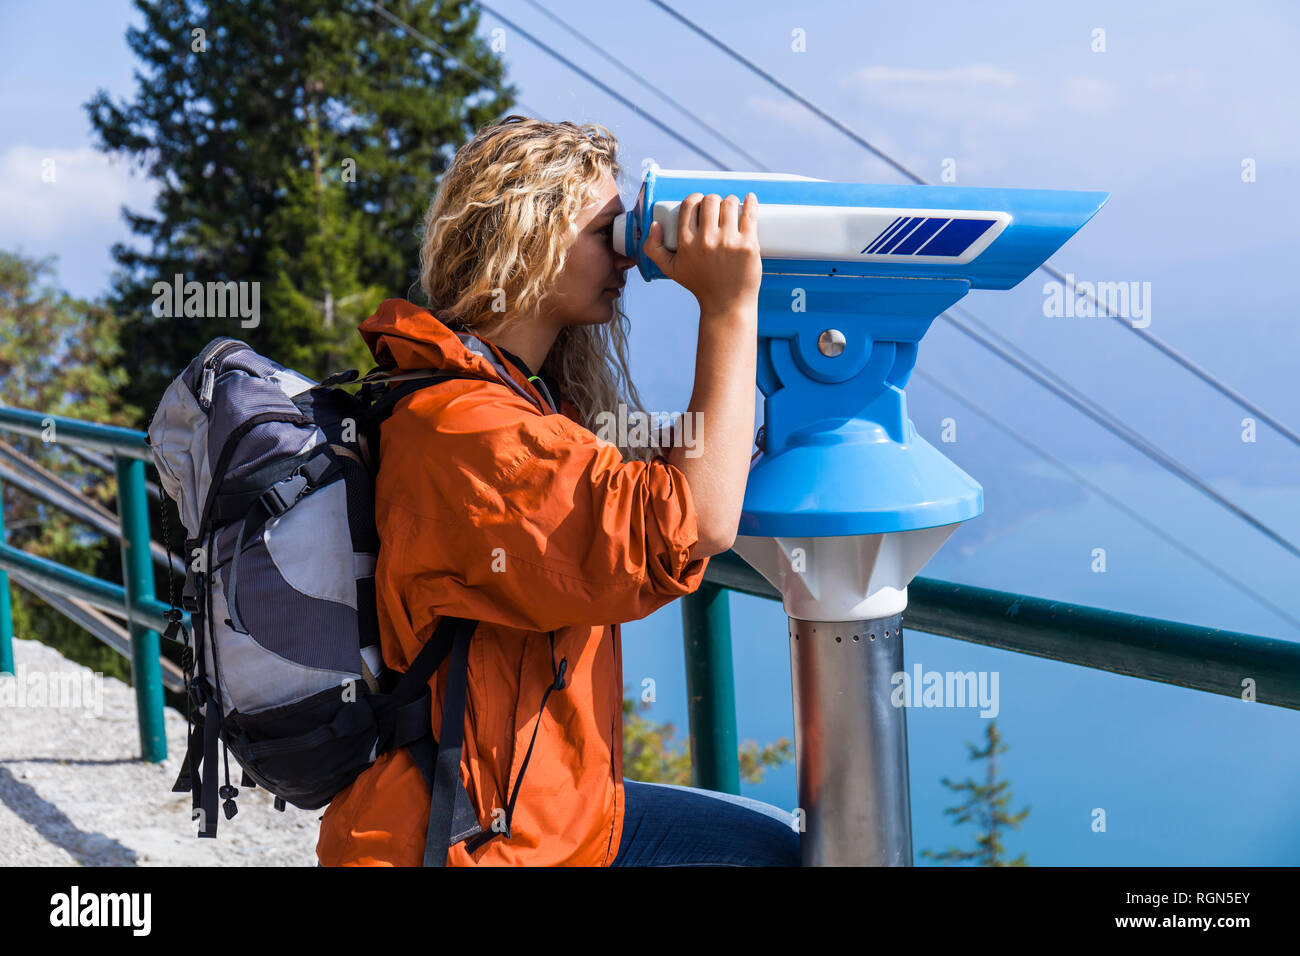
668	825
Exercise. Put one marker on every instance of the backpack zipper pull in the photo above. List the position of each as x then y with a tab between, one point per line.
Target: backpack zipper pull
209	382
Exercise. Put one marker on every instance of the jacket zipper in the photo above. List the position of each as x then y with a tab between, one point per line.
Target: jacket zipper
559	683
558	674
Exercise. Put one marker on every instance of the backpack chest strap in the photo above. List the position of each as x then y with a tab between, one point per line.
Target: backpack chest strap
277	486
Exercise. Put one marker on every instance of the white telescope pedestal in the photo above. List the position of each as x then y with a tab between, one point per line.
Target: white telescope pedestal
845	598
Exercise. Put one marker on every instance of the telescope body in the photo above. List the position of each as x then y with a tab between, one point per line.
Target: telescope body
990	238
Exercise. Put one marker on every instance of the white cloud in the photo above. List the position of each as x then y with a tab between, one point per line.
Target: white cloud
980	92
1183	81
979	75
785	110
85	198
1087	94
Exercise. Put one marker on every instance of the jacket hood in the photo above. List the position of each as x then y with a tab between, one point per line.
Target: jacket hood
411	337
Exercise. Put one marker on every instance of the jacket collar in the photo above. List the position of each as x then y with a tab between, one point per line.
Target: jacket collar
411	337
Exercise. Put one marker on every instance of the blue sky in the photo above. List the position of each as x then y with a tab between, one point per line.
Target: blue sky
1014	95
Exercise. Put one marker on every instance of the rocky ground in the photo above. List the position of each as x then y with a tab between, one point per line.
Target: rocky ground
74	791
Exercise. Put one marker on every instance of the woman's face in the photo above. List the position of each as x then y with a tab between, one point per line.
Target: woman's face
582	293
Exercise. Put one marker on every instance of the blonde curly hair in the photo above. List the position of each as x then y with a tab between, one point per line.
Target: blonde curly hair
498	224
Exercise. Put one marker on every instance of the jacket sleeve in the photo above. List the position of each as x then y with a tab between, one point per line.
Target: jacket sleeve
526	520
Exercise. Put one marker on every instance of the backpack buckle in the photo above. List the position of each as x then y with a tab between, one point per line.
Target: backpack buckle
282	495
190	591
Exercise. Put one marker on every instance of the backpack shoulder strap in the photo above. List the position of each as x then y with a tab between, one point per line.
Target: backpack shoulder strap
380	395
378	411
451	815
451	818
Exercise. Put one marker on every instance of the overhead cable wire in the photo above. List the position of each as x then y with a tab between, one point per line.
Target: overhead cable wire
616	62
604	87
1126	434
447	55
1164	347
803	101
1206	376
1110	499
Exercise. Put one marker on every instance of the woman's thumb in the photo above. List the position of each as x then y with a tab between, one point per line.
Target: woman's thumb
654	244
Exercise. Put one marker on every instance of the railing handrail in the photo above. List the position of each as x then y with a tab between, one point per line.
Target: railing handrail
131	453
111	439
71	583
1208	659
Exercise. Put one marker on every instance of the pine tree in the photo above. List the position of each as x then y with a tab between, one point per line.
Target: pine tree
987	806
296	144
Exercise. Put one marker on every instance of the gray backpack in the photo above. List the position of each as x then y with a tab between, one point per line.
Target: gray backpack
273	476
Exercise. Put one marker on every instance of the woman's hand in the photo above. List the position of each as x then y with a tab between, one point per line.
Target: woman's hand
717	258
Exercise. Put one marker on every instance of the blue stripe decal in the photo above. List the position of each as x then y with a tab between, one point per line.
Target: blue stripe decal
907	223
920	236
921	251
957	237
904	233
875	244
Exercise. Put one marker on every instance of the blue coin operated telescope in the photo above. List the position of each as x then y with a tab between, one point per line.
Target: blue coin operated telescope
845	501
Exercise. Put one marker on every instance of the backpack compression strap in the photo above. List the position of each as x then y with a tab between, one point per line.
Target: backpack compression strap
451	816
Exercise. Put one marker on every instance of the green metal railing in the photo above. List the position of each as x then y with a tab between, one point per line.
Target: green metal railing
1199	658
1205	659
6	611
143	611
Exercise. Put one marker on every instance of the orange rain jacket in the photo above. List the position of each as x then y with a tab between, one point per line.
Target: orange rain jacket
490	510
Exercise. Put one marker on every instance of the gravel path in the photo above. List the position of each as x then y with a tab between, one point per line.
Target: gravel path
74	791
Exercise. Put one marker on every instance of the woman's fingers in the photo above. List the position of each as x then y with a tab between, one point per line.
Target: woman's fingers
709	227
749	215
688	219
729	216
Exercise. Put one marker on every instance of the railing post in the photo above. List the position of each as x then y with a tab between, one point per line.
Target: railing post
6	610
137	577
710	689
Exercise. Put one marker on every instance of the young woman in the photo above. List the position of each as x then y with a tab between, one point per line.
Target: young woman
496	501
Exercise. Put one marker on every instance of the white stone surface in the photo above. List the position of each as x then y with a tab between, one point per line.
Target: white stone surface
74	791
